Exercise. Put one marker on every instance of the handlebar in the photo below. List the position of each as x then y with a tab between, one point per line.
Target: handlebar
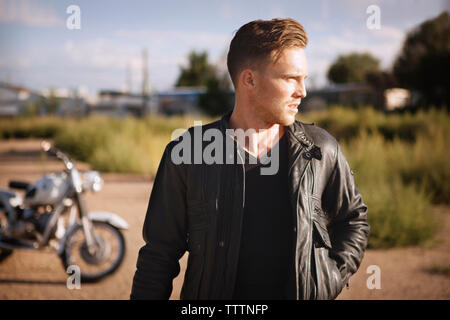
47	147
89	180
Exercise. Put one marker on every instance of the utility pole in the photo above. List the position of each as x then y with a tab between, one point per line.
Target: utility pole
128	78
144	81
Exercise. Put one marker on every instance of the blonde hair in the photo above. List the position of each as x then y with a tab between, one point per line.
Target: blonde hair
261	41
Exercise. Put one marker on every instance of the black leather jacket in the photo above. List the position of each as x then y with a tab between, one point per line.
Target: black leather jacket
199	207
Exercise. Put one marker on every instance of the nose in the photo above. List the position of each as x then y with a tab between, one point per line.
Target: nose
300	90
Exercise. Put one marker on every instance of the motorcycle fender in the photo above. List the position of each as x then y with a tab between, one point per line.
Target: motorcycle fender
101	216
108	217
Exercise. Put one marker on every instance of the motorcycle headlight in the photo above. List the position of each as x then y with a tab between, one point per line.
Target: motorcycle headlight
91	181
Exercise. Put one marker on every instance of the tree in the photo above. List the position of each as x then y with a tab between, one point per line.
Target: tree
198	71
352	68
424	61
380	81
218	97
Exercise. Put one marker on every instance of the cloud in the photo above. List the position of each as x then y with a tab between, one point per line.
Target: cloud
167	50
226	11
166	39
171	47
277	12
15	62
28	13
101	53
111	56
325	9
383	44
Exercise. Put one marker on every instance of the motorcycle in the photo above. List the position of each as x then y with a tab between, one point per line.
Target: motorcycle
53	215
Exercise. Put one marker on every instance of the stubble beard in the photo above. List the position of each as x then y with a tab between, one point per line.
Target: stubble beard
281	117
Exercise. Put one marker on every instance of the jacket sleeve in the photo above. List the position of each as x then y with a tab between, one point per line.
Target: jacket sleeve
164	233
348	227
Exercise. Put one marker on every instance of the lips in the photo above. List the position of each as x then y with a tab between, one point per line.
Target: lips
293	106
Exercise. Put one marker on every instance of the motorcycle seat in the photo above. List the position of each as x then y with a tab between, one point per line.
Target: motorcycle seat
18	185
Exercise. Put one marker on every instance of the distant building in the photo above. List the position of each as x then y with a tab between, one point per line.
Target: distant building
72	106
180	100
121	104
15	99
353	95
64	102
348	94
397	98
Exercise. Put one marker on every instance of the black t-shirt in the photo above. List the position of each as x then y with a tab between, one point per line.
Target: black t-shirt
266	252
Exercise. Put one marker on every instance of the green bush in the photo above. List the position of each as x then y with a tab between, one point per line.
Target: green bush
30	127
121	145
346	123
429	163
118	154
399	213
81	138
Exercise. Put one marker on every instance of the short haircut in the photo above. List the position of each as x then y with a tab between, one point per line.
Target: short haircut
262	40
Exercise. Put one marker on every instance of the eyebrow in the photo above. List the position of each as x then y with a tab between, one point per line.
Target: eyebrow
295	75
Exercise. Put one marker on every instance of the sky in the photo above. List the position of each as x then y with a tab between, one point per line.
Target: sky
38	50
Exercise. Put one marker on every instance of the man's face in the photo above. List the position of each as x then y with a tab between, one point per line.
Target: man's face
280	86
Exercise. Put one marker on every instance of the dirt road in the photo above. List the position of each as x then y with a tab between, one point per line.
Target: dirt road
406	273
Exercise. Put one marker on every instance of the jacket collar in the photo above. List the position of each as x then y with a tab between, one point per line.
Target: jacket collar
295	130
297	136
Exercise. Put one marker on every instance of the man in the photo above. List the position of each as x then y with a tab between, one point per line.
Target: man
295	231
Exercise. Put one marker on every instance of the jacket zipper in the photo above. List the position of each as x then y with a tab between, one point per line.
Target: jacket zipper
296	245
311	190
296	242
308	264
241	215
243	180
316	271
221	226
222	218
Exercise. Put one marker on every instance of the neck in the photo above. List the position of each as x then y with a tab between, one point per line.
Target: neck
262	136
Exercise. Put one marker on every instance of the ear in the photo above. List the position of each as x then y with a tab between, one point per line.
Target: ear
247	79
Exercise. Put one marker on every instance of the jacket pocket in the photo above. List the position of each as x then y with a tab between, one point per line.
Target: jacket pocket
320	232
198	221
194	273
195	264
329	279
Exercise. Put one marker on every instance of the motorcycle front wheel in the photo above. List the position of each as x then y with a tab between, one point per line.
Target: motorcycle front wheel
104	261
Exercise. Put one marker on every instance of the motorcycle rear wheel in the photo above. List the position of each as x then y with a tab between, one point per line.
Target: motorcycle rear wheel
105	261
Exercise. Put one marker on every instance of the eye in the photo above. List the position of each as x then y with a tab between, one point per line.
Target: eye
291	78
